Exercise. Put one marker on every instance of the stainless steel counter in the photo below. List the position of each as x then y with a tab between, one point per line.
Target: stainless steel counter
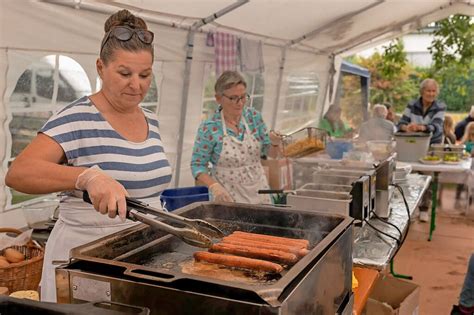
374	250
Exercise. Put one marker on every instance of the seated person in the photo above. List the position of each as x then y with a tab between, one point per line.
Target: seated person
377	127
333	123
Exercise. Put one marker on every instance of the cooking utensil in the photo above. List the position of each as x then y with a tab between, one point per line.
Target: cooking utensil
200	234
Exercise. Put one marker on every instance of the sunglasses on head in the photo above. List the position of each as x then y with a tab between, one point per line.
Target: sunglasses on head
125	33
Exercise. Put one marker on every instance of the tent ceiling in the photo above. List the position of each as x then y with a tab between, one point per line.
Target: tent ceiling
329	26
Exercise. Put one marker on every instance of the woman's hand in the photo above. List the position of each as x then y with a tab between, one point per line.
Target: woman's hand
107	195
275	138
219	193
416	127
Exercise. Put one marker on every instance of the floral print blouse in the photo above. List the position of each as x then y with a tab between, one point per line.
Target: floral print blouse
208	143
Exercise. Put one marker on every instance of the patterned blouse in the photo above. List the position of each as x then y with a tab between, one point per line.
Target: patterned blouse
208	144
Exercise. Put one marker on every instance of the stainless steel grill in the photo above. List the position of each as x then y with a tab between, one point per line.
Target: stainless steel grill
143	267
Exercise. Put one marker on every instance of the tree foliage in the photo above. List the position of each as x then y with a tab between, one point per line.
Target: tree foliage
396	82
453	43
390	76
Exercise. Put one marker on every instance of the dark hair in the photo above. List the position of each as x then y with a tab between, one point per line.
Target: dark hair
123	18
335	123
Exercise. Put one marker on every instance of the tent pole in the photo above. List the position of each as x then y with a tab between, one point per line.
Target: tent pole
187	76
335	22
280	80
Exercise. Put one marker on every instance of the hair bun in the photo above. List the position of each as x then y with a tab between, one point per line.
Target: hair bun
124	17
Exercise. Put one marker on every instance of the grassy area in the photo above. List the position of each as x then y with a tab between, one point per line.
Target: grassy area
457	116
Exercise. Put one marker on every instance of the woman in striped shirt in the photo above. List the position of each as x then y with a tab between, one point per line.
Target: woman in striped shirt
105	144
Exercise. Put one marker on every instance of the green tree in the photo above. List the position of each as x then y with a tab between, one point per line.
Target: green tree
390	76
452	50
453	43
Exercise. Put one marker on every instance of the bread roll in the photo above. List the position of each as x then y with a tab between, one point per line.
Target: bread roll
13	256
27	294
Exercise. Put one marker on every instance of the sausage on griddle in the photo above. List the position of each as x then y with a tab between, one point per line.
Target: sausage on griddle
238	262
297	250
253	252
270	238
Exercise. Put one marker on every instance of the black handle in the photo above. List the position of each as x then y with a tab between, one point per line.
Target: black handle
86	197
271	191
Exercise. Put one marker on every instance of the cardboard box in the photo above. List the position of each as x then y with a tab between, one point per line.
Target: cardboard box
280	173
392	296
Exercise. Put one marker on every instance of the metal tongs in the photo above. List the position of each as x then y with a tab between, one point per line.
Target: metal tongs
199	234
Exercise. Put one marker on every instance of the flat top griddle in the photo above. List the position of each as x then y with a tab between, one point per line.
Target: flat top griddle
160	258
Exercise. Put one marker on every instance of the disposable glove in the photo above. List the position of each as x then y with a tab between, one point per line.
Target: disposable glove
275	138
107	194
219	193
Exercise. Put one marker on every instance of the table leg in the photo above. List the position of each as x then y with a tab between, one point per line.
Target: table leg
398	275
434	204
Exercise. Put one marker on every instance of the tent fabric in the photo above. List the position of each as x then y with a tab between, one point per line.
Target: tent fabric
300	39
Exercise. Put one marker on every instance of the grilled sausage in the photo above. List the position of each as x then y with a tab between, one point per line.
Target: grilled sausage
253	252
297	250
238	262
270	238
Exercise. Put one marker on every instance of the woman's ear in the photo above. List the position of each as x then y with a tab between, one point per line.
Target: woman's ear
99	64
218	99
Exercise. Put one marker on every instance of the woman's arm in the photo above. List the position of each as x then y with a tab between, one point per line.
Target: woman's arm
38	169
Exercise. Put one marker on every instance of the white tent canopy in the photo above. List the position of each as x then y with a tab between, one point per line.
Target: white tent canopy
300	38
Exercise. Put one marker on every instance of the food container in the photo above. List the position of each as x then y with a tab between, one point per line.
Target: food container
39	212
175	198
336	148
380	149
411	146
303	142
447	151
401	171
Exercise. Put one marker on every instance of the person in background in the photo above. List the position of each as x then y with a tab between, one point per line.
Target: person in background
229	146
333	124
105	144
377	127
391	115
461	126
448	130
466	298
468	137
449	138
425	114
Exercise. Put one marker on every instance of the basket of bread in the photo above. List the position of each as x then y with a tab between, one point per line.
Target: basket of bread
20	265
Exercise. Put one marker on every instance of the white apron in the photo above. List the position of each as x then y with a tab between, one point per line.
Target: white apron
78	223
239	168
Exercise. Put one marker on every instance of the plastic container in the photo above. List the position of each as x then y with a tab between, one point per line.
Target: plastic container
336	148
303	142
380	149
175	198
39	212
411	146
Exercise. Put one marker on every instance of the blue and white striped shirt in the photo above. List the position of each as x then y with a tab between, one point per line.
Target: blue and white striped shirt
433	118
88	139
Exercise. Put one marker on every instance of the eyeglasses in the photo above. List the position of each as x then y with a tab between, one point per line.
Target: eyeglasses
125	33
237	99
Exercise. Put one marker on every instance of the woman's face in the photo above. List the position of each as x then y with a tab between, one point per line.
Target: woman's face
126	78
229	97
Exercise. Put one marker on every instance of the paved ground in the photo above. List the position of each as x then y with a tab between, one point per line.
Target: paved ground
438	266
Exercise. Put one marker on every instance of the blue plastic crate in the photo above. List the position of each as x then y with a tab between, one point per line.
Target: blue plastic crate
336	148
175	198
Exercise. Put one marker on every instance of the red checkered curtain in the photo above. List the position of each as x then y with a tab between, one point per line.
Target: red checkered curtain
225	47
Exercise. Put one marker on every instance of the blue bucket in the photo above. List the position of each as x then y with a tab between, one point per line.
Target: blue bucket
176	198
336	148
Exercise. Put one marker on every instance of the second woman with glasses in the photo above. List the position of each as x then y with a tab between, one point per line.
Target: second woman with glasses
105	144
229	146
